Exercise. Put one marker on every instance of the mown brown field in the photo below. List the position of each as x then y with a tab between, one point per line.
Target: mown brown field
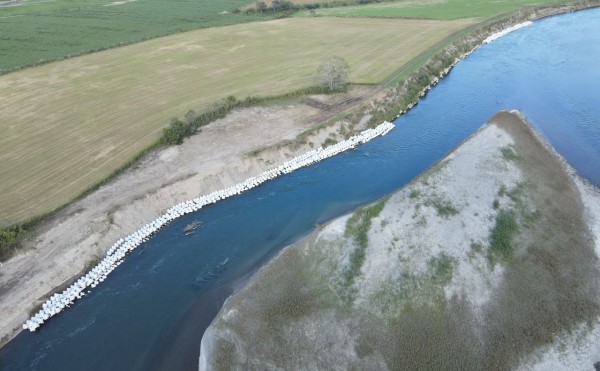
67	125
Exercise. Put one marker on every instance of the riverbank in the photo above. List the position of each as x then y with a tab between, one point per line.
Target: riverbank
465	267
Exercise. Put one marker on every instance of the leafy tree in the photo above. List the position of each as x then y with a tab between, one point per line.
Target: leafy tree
333	73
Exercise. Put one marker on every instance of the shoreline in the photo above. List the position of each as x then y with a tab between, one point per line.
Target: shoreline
53	256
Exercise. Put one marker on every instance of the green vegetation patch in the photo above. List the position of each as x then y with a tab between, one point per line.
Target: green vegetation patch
414	194
444	208
9	240
527	213
329	142
501	238
516	194
441	268
357	228
509	154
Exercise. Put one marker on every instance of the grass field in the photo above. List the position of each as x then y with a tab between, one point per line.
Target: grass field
67	125
52	30
429	9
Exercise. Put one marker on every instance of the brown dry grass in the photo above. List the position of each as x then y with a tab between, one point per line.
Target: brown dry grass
67	125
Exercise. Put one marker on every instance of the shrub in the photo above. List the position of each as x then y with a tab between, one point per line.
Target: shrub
357	228
509	154
501	238
9	240
444	208
329	142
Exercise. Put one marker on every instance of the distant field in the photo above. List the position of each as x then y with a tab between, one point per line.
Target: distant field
431	9
252	4
69	124
51	30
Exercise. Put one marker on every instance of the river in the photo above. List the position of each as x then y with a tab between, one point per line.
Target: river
152	311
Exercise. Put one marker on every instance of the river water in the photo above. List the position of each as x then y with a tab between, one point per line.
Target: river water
152	311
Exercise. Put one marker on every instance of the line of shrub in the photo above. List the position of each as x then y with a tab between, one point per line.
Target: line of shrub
357	228
179	129
501	238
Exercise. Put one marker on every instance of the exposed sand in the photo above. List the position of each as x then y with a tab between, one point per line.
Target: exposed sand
213	159
496	314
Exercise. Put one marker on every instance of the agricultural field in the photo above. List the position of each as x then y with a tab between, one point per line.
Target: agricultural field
428	9
34	32
69	124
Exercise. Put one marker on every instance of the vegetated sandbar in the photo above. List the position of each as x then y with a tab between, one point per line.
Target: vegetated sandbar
488	260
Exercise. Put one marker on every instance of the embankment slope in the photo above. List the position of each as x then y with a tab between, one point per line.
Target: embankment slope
489	260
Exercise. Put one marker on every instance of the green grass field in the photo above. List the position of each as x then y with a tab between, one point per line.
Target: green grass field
429	9
57	29
69	124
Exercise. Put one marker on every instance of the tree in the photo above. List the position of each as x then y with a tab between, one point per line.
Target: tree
333	73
